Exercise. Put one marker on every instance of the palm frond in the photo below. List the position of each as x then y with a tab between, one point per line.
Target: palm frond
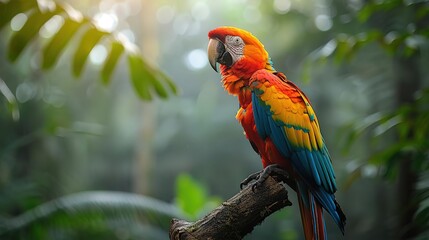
89	213
147	80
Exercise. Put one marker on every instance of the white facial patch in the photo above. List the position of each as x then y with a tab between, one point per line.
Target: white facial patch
235	46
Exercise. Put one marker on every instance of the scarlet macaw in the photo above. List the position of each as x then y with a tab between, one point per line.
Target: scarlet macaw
279	122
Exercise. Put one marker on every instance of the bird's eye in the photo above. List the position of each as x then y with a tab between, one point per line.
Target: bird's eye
237	41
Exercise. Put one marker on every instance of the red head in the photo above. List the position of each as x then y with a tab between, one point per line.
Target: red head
239	54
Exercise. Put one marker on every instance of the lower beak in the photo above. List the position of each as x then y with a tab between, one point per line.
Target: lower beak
214	50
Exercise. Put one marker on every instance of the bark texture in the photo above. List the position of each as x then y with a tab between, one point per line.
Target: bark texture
237	216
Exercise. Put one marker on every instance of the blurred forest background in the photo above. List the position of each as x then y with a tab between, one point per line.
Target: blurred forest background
80	159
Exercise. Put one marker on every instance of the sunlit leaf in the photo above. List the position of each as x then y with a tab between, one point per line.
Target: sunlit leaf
116	50
164	78
59	41
87	43
139	77
26	34
365	12
346	47
325	51
369	120
391	123
12	103
152	77
10	9
190	195
145	79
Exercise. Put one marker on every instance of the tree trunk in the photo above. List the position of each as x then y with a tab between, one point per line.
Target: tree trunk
144	156
408	83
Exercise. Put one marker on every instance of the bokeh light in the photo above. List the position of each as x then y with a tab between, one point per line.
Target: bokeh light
196	59
106	21
323	22
18	21
26	91
51	27
165	14
98	54
282	6
128	34
200	11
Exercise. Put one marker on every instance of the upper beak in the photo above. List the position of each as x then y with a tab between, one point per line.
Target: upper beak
215	49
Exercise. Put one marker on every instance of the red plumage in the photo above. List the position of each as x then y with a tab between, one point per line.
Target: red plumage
280	123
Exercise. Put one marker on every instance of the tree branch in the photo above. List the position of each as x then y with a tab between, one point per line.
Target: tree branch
237	216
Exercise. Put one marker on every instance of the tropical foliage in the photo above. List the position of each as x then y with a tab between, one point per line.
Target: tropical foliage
399	136
90	215
364	65
146	79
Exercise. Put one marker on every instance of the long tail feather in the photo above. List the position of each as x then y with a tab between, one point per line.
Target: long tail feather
311	214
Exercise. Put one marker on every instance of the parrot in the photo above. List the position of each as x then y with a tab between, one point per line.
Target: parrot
280	124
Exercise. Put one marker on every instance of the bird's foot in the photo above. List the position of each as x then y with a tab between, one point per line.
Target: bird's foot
252	177
259	177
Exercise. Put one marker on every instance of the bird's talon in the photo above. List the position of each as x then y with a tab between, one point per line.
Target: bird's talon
255	185
259	177
250	178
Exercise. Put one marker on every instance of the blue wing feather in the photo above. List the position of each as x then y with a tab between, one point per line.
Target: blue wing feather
314	166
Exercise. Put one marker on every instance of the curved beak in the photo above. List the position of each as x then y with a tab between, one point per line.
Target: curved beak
217	53
215	49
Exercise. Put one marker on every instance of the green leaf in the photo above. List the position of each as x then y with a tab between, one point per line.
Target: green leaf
153	78
387	154
11	8
163	77
145	78
366	12
116	50
12	103
190	195
422	194
385	126
344	48
369	120
422	217
373	7
87	211
87	43
57	44
30	29
139	76
391	168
